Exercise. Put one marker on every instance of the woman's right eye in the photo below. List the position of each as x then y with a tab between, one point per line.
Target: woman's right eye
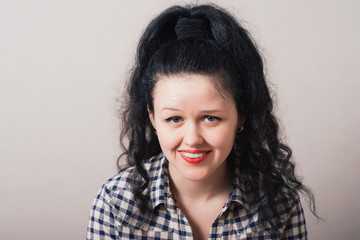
175	119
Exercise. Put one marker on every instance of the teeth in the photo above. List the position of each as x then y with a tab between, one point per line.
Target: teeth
193	155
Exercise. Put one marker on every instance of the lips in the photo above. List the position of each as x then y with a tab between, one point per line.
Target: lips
194	156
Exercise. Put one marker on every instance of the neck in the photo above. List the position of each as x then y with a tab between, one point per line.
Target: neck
215	185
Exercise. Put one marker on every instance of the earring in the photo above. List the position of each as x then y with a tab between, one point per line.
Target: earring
240	129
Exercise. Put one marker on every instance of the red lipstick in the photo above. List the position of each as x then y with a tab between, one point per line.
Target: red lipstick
188	155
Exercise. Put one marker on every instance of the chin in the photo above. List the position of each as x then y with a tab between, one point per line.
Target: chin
195	175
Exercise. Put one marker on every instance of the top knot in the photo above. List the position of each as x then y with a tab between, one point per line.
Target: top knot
191	28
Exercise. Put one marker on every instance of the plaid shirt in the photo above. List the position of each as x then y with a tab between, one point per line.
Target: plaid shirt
115	215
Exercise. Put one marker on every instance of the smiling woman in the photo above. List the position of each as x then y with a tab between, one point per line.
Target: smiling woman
203	153
186	130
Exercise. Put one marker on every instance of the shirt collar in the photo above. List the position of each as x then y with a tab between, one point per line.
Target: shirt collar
159	182
240	192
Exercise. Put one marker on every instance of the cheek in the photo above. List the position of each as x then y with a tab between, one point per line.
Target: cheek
222	138
168	141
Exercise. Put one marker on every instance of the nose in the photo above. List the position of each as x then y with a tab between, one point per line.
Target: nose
192	135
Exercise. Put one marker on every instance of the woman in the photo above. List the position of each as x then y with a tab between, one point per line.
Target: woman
204	159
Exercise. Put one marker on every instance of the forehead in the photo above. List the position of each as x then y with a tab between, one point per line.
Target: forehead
178	82
189	90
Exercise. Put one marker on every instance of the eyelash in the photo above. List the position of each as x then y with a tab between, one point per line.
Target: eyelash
178	119
171	119
213	117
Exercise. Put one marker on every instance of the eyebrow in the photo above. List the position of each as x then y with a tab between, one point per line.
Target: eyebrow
170	109
202	111
212	111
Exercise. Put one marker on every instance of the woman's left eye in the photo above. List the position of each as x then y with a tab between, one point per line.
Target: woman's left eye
210	118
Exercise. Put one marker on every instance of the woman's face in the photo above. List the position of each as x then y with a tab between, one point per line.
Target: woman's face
195	123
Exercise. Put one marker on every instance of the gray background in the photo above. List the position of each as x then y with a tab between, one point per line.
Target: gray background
62	68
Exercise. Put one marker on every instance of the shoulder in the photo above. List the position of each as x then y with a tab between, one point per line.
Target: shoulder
123	181
291	219
118	197
114	210
119	182
286	220
286	200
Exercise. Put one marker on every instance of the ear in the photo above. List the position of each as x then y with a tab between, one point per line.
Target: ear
151	117
241	118
241	122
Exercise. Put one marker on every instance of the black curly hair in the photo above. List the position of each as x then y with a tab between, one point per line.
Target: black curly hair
206	39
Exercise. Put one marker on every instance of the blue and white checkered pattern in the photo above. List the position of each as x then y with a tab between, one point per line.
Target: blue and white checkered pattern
115	215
